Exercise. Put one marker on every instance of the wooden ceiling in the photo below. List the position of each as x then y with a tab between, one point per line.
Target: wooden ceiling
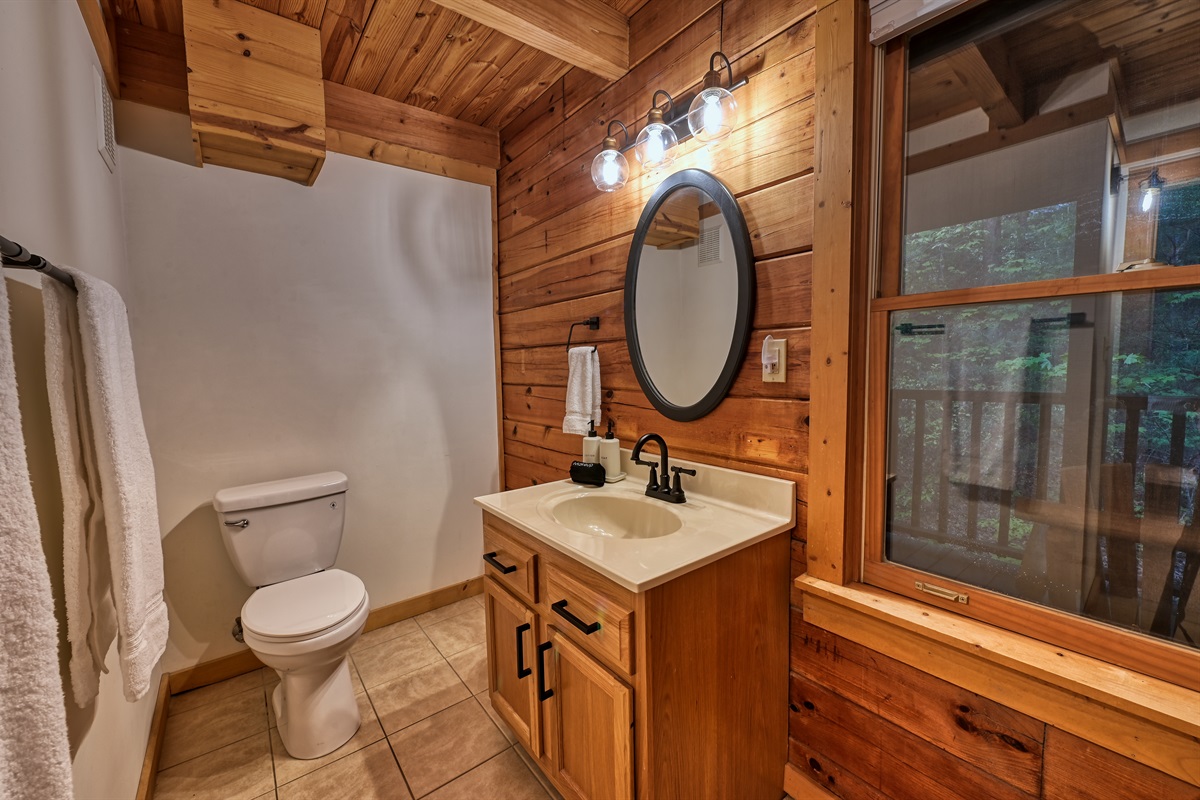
1154	46
415	52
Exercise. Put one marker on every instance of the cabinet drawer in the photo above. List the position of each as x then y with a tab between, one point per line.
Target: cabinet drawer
510	563
591	616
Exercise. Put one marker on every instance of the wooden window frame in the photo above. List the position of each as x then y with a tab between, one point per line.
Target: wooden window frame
1159	658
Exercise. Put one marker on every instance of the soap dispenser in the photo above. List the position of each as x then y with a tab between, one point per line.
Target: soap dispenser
591	444
610	456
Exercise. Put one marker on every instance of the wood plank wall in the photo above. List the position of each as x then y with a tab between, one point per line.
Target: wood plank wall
861	725
563	244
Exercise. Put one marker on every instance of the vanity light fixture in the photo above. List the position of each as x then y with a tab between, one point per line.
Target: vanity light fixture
1151	188
610	170
656	142
713	113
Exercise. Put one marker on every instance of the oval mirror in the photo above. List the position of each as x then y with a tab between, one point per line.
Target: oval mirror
689	295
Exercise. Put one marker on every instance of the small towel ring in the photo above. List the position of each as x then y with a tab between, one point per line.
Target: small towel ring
593	323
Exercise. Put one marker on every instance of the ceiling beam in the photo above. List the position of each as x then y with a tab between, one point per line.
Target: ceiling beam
584	33
988	75
386	121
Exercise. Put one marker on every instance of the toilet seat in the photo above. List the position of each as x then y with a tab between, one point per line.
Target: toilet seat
302	608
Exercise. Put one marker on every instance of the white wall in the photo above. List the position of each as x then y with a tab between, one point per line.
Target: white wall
283	330
58	198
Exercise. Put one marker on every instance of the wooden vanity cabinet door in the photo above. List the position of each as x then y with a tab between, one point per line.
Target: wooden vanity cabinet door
591	724
512	681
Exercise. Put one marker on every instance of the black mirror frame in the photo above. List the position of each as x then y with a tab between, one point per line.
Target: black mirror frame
744	255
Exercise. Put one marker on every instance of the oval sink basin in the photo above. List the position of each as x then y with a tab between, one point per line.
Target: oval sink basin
618	517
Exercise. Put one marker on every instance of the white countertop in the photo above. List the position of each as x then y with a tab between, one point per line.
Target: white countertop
726	510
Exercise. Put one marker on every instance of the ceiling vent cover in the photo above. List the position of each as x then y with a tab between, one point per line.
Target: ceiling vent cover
106	138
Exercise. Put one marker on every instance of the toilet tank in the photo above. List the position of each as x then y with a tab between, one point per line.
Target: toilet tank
280	530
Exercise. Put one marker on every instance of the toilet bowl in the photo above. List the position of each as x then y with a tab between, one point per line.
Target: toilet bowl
303	617
304	629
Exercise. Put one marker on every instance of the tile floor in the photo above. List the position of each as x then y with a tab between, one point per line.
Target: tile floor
428	728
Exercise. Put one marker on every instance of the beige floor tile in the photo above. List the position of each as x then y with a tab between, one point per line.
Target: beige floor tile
288	769
393	658
437	750
458	633
237	771
537	773
369	774
446	612
471	666
479	599
216	691
417	695
269	676
213	725
486	702
380	635
505	777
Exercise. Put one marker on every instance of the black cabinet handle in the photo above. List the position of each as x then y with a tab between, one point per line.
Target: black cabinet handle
560	608
491	559
522	670
544	694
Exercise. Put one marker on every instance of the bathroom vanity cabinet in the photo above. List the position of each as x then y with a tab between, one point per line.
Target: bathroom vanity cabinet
677	691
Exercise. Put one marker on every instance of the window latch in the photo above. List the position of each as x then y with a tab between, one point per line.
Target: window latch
943	593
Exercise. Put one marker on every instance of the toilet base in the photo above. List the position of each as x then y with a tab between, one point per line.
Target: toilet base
315	709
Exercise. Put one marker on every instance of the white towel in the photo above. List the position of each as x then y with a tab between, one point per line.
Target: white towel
35	761
91	615
583	389
131	534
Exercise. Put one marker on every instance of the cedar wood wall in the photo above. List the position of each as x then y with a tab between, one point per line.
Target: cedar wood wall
861	724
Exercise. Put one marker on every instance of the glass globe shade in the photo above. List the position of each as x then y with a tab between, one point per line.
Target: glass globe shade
712	114
610	170
655	146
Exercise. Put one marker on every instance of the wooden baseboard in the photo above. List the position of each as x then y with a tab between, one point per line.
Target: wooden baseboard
387	615
158	730
219	669
800	786
244	661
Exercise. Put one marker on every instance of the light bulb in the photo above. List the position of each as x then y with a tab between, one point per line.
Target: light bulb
1147	200
712	115
610	170
655	144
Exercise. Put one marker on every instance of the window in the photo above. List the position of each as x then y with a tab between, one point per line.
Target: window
1034	408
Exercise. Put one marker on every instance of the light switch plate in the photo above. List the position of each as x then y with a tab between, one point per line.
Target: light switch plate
780	375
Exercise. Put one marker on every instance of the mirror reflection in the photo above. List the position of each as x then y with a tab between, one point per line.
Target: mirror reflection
687	296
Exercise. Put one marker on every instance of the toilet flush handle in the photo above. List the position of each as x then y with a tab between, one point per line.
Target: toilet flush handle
241	523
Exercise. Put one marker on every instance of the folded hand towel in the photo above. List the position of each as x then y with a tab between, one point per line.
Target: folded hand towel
127	492
91	616
35	761
583	389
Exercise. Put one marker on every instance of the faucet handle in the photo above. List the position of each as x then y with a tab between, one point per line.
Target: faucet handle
652	484
676	486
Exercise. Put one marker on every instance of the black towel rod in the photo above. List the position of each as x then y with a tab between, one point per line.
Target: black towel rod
14	255
593	323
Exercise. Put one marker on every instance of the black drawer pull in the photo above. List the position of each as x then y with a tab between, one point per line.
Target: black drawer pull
560	608
544	694
522	670
491	559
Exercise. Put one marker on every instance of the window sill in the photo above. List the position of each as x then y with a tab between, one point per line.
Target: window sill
1148	720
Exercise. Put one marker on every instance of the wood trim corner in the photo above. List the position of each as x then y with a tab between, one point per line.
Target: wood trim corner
218	669
154	743
839	269
802	787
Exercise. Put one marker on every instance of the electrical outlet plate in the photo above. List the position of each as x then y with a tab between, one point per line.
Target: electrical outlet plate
780	373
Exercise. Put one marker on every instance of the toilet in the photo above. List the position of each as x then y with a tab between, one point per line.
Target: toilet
283	537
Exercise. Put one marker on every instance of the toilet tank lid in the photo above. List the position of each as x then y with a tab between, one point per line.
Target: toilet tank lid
274	493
